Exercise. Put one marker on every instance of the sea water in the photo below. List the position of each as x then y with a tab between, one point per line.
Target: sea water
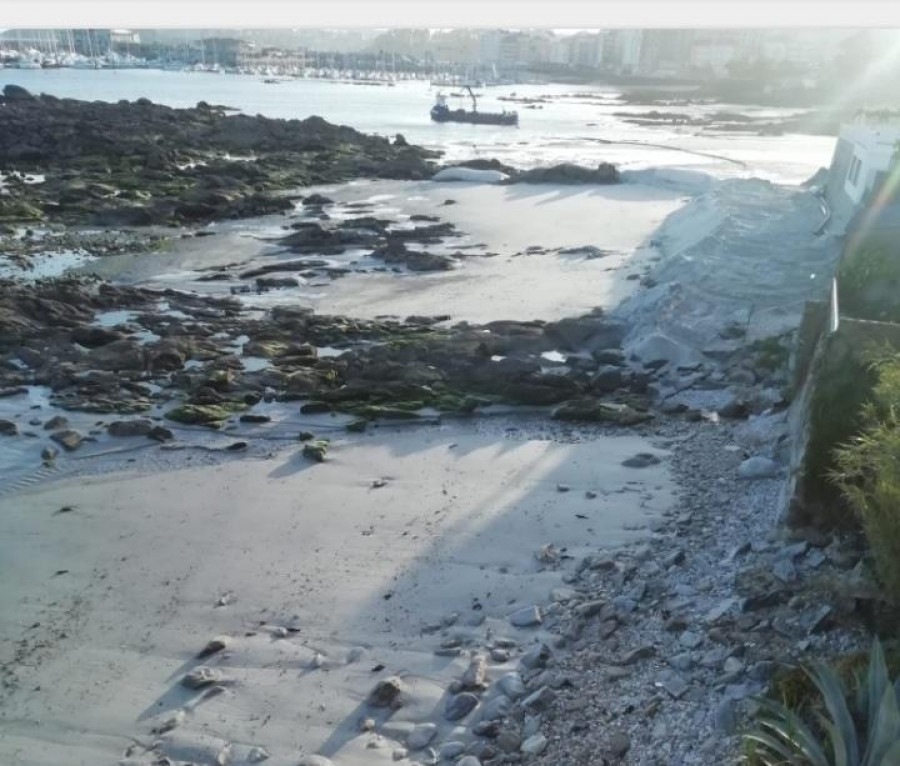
571	128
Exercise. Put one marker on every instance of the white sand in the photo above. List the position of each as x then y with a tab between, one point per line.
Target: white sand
509	219
505	219
148	556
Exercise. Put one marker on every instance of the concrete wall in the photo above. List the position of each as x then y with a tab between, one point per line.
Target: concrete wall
829	352
842	206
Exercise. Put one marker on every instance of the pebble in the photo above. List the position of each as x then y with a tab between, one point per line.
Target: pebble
536	657
499	655
640	653
534	745
641	460
367	724
690	639
526	617
421	736
315	760
498	707
509	740
476	674
672	682
725	717
562	487
758	467
213	646
619	744
468	760
200	677
460	705
451	750
511	685
539	700
531	725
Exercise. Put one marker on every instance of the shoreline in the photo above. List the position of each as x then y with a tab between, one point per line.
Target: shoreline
522	575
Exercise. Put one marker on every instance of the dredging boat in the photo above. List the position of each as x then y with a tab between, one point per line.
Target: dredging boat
440	112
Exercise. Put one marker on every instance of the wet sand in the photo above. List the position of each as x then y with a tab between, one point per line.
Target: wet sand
506	220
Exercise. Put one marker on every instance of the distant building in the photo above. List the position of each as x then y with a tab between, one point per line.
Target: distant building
586	50
665	52
124	37
622	51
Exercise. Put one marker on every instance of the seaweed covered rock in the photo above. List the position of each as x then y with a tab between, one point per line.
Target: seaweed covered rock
139	163
595	411
316	450
567	173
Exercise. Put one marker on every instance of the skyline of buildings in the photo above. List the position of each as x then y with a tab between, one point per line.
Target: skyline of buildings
656	53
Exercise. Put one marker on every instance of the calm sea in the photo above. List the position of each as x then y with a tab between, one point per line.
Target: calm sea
570	129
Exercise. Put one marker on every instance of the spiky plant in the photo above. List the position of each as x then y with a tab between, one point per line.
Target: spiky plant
848	728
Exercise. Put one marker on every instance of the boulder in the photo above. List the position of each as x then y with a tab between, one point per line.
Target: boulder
316	451
460	705
758	467
607	379
8	428
202	414
126	428
94	337
386	692
69	439
470	175
567	173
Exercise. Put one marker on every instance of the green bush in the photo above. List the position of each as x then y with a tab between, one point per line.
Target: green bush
867	471
869	282
855	725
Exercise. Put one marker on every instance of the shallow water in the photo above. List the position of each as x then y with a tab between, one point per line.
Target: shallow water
569	129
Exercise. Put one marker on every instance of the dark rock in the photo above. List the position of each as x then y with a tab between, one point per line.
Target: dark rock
8	428
16	93
736	409
68	438
460	705
94	337
254	418
160	434
593	410
318	200
641	460
386	693
566	173
607	379
57	421
130	428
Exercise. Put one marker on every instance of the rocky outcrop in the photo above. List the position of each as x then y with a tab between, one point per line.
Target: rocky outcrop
566	173
139	163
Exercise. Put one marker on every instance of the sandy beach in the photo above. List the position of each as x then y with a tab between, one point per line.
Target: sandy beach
362	577
555	445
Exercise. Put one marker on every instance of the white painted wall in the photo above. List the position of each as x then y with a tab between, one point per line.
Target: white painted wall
873	148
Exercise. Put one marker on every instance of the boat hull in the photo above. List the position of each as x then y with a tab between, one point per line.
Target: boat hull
474	118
